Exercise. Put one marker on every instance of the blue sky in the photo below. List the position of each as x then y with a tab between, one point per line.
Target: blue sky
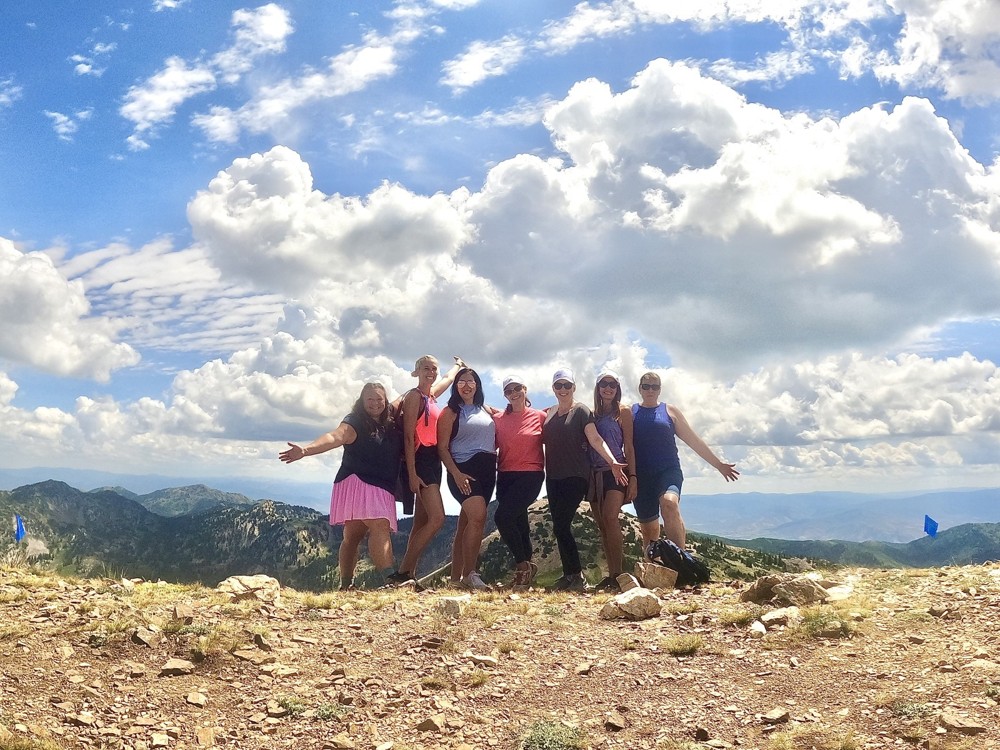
218	220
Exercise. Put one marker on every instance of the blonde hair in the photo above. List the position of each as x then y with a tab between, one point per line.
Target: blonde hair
651	376
423	360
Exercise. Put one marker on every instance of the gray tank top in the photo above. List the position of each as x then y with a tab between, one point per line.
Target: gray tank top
476	433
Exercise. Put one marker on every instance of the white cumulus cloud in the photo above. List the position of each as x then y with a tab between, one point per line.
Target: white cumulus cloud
47	321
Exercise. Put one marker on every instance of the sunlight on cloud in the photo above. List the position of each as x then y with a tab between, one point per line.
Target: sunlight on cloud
257	32
171	299
47	321
159	5
8	389
154	102
275	104
157	99
949	45
775	67
482	60
65	126
825	234
9	91
263	220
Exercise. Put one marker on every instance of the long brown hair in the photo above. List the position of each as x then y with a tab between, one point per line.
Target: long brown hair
615	409
385	420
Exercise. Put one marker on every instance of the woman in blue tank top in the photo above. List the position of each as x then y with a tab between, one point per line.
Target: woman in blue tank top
605	494
655	427
467	445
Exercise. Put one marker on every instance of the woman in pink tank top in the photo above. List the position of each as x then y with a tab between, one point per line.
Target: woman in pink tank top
423	465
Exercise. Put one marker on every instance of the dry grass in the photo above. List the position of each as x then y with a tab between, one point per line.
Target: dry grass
682	645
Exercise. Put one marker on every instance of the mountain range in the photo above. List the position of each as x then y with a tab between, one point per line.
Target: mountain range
850	516
199	534
854	517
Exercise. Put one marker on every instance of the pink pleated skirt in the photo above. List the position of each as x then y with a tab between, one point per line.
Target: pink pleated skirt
353	500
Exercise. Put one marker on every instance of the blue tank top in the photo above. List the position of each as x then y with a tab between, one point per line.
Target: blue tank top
654	439
476	433
610	429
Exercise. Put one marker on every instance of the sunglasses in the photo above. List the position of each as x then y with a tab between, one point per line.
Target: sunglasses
607	384
649	386
512	389
562	385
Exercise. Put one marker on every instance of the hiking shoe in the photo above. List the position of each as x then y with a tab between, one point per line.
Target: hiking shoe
608	584
347	586
532	572
521	580
571	582
473	582
398	577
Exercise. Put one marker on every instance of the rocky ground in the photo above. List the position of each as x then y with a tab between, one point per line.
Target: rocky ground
901	659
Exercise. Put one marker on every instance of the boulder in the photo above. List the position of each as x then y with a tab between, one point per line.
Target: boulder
260	587
799	592
627	582
655	576
176	667
780	617
453	606
762	590
634	604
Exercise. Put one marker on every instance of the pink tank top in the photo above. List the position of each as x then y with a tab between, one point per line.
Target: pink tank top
427	423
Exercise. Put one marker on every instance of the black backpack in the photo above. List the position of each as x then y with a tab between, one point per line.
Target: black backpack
690	570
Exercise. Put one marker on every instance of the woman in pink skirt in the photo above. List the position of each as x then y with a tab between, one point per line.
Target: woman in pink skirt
363	498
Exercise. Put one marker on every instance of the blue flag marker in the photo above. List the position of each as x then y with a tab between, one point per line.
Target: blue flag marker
19	531
930	526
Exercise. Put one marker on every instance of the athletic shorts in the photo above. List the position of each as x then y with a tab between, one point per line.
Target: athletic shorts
482	467
651	488
427	462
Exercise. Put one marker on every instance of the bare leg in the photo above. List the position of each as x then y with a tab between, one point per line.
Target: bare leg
379	543
474	513
458	549
611	531
673	524
428	518
347	557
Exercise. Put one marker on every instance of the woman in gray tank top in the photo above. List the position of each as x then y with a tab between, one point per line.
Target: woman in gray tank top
467	446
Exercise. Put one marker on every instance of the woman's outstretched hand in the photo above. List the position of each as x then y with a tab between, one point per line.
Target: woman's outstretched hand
294	453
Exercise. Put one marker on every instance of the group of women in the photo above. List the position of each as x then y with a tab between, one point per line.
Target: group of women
610	455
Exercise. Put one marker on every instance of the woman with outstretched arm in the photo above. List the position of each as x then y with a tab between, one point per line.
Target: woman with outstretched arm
363	499
655	425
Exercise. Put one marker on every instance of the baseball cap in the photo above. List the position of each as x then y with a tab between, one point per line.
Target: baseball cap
511	380
564	374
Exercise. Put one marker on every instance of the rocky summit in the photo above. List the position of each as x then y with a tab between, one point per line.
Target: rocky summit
852	659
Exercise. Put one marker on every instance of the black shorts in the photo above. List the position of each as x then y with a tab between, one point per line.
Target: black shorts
427	462
482	467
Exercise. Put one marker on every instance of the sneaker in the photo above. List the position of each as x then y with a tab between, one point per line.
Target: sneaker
608	584
399	578
474	583
570	582
532	572
347	586
521	580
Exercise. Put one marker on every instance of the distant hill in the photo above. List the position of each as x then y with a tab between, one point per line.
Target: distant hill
308	494
196	498
104	533
968	544
837	515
